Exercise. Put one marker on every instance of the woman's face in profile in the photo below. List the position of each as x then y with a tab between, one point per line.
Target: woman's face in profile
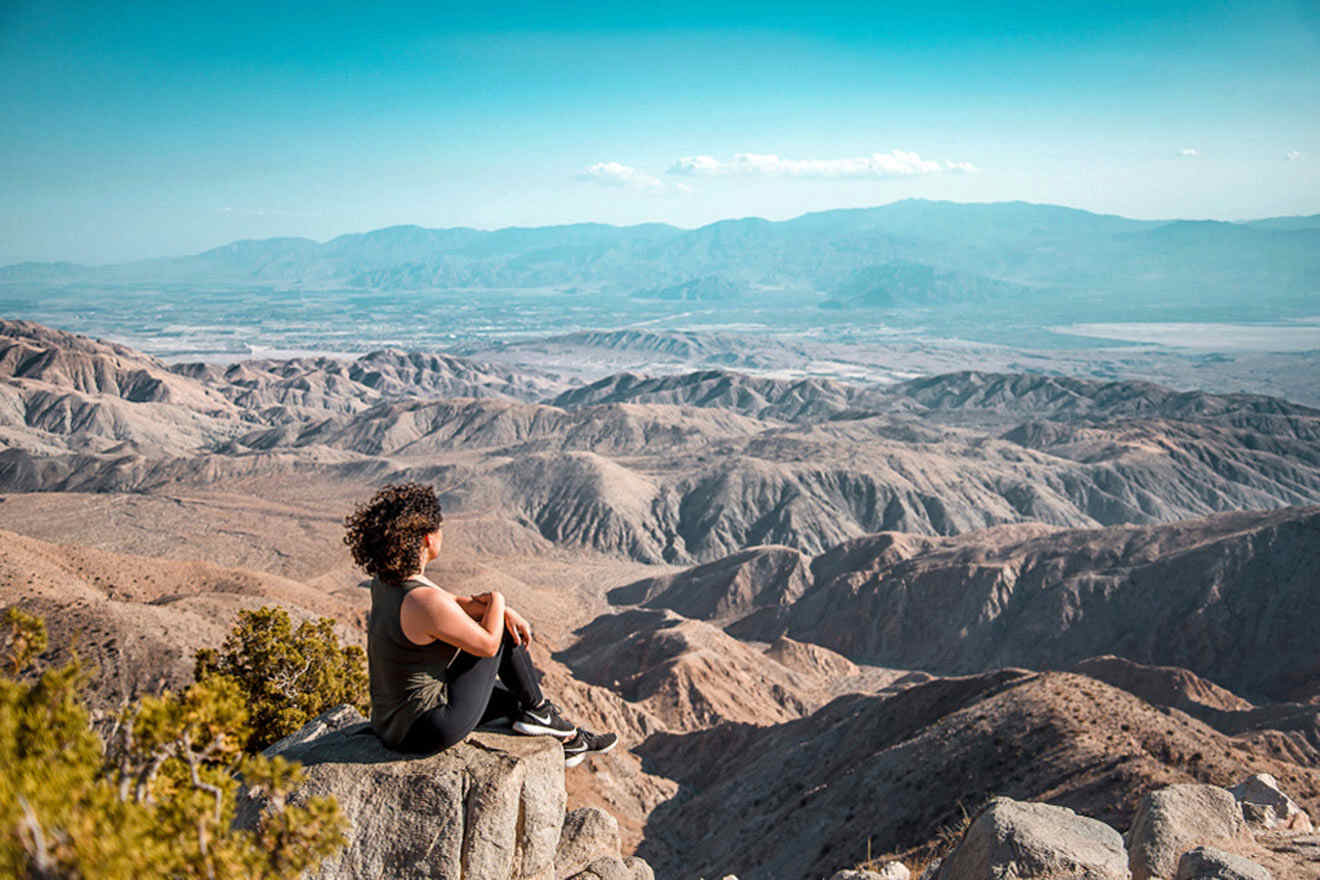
433	543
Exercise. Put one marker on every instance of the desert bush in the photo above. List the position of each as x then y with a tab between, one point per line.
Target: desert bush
943	841
287	676
24	638
153	797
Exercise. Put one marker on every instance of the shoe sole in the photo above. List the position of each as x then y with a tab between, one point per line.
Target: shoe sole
538	730
578	758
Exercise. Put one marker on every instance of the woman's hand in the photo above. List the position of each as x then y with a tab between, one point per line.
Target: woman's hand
475	606
518	627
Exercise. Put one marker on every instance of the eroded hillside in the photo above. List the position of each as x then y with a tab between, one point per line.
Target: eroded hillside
684	468
793	598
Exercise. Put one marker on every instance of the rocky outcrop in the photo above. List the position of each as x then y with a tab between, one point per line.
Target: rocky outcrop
887	871
615	869
490	808
1026	840
1208	863
1170	840
1176	819
589	833
1272	808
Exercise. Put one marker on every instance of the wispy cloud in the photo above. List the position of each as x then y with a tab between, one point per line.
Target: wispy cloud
1189	152
1294	155
265	212
620	175
896	163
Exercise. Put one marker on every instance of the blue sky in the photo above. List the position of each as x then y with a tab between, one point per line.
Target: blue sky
140	129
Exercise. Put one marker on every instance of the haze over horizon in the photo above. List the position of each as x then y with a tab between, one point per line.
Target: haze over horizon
157	131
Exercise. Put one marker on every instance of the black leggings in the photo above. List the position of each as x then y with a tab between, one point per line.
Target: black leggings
473	697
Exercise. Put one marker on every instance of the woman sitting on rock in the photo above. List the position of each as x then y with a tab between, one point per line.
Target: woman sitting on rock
433	658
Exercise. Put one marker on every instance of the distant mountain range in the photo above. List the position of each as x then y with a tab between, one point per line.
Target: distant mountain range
912	251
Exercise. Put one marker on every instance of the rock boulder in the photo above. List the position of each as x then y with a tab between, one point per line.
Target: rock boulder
887	871
614	868
589	834
1173	820
491	807
1035	842
1279	810
1208	863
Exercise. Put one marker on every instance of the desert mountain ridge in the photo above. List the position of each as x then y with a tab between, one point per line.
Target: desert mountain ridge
1229	597
680	468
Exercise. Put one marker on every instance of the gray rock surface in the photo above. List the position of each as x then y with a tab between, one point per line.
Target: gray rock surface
887	871
327	722
607	868
1258	816
640	869
1027	840
491	807
1263	790
589	833
1208	863
1173	820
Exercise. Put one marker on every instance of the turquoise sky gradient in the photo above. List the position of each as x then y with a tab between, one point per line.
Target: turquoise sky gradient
150	129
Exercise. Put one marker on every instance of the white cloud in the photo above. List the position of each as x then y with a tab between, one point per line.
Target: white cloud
265	212
896	163
1294	155
1189	152
617	174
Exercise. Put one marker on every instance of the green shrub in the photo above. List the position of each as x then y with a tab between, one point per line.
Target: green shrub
25	638
286	676
153	797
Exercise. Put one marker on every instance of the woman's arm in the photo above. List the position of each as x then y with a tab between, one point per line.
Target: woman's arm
430	614
518	627
474	606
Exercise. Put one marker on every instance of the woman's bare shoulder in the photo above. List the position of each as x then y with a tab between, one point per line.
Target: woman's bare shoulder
430	595
425	609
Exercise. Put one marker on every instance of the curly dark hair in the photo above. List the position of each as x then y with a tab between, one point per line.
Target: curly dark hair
385	534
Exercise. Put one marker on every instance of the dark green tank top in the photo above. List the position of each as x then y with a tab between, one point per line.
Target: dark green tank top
406	679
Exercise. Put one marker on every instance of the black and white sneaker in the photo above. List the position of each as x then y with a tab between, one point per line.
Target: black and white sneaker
587	743
543	720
